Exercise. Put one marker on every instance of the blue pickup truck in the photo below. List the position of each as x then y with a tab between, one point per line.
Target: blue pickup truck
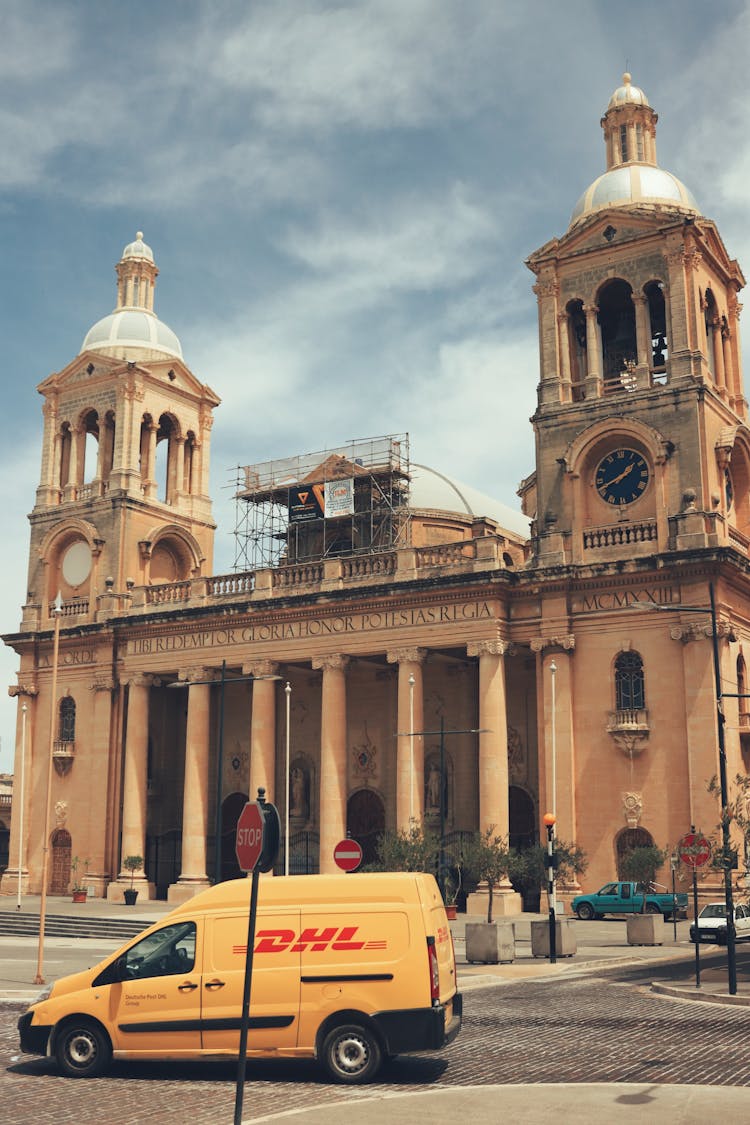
627	898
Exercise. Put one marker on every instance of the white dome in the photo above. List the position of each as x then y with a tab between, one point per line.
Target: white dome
138	249
128	330
631	184
627	94
434	491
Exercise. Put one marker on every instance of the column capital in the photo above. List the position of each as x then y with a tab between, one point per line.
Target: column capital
104	683
260	669
196	674
495	647
697	631
139	679
566	643
336	662
406	655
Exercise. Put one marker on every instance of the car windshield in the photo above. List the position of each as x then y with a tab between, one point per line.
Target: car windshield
714	910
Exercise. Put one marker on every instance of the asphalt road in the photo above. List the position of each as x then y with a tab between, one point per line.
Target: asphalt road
605	1026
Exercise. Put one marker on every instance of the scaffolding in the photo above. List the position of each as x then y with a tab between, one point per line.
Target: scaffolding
353	499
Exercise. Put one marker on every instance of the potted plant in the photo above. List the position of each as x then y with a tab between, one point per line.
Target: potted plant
640	865
484	859
79	886
132	863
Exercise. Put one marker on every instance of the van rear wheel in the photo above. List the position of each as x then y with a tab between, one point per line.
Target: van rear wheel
351	1054
82	1049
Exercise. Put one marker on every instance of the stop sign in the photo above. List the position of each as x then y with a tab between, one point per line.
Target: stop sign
249	841
347	855
694	849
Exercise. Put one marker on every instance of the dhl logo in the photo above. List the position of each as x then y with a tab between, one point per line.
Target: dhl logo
339	939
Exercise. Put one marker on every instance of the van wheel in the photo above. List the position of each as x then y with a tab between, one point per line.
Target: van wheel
652	908
351	1054
585	911
82	1049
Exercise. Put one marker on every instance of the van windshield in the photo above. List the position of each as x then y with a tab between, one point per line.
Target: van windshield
163	953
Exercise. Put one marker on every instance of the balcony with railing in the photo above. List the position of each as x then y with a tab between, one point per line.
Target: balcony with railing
620	535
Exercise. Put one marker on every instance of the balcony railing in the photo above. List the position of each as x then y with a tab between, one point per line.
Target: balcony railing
619	535
627	719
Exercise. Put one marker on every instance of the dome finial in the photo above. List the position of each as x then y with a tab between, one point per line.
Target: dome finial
627	79
139	236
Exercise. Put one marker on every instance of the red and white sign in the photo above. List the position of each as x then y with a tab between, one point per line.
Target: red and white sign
694	849
347	855
249	841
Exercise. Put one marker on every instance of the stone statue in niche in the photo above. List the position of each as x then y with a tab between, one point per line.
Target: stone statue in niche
299	804
432	795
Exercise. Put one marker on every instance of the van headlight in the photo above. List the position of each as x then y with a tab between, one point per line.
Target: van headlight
43	995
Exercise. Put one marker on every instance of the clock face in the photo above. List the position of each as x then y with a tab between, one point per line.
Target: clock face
622	476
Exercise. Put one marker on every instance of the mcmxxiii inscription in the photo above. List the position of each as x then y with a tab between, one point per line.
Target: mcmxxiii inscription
625	599
313	627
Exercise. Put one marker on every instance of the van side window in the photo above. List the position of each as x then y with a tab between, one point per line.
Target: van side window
162	954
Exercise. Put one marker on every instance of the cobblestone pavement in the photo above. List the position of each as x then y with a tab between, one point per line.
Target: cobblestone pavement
605	1028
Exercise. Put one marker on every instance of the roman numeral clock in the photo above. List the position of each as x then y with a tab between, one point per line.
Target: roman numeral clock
622	476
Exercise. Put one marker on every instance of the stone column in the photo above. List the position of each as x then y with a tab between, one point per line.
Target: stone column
150	480
263	729
178	485
560	650
718	349
643	340
18	866
195	801
726	353
409	746
493	737
134	784
593	363
333	772
566	387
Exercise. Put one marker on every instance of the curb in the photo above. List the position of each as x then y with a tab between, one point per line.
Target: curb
678	993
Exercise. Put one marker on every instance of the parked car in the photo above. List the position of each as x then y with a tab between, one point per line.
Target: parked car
712	923
627	898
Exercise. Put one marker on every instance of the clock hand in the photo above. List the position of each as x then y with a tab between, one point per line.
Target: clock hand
616	480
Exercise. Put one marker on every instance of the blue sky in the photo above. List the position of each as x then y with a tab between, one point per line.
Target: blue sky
340	198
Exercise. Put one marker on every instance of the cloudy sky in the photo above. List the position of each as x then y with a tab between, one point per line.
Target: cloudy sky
340	198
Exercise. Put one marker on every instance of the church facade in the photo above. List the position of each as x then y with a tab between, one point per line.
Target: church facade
397	660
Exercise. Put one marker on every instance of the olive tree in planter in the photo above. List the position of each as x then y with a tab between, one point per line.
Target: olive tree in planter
484	859
79	888
640	866
132	863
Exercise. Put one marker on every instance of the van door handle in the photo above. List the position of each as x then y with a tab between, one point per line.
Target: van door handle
214	984
189	986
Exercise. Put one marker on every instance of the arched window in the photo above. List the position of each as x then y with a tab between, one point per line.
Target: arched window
711	321
657	314
617	323
577	349
630	691
67	720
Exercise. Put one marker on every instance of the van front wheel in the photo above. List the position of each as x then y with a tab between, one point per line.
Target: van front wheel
351	1054
82	1049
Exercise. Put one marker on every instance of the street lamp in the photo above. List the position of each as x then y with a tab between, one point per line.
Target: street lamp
553	674
725	837
57	611
222	681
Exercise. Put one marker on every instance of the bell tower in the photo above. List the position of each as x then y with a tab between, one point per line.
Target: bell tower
642	444
123	494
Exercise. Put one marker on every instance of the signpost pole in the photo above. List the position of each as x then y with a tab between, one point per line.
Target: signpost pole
242	1061
697	932
695	850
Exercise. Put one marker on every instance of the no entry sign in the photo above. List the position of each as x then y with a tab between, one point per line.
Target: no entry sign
249	841
694	849
347	855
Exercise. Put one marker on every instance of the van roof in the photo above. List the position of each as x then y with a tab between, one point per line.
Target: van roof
366	887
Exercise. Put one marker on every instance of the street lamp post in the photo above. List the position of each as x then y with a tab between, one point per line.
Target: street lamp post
222	681
549	824
553	674
39	978
412	681
725	836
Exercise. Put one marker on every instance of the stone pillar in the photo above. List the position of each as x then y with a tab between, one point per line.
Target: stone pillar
134	784
333	772
18	865
643	340
263	729
726	354
178	485
493	737
195	801
566	391
560	650
718	350
150	485
734	308
409	746
593	362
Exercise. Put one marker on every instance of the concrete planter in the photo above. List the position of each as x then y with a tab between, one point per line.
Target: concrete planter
490	943
565	938
645	929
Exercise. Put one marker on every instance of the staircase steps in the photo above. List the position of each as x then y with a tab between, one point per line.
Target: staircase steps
60	925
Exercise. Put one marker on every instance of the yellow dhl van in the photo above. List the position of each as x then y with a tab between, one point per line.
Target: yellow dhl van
348	969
